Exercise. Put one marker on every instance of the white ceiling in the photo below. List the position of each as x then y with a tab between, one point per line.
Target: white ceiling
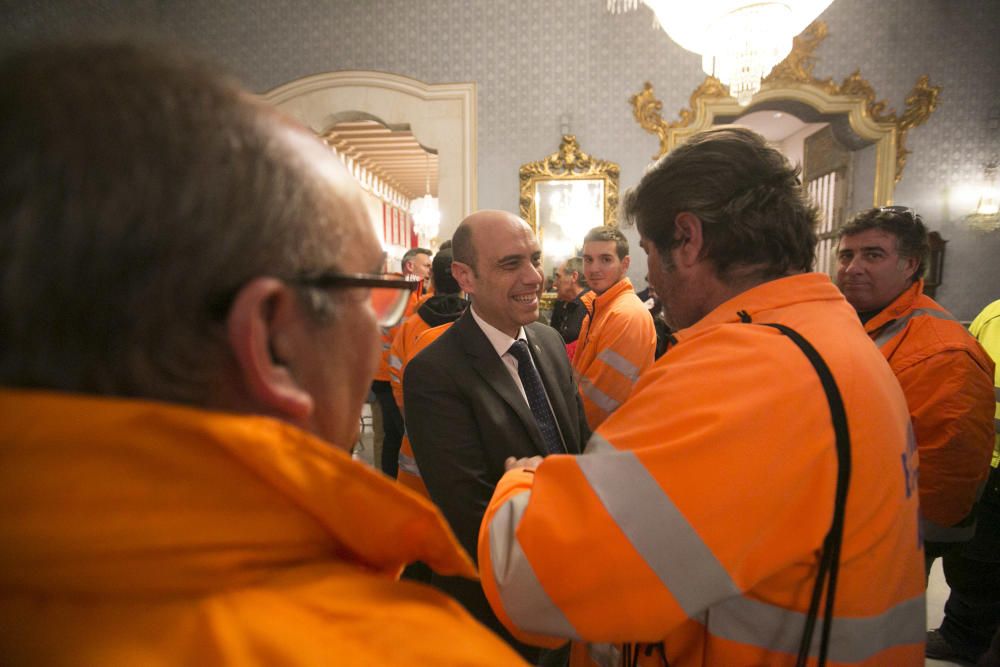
397	158
391	153
775	126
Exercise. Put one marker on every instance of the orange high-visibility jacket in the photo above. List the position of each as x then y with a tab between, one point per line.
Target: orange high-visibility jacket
616	343
948	382
387	334
702	503
986	328
405	335
140	533
409	472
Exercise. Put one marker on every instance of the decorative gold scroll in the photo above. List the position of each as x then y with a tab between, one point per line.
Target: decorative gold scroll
793	79
569	163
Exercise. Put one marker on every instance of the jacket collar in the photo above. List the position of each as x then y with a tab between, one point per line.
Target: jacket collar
902	304
114	495
757	301
579	297
592	298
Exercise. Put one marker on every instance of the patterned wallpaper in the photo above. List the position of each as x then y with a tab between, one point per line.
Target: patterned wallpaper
534	61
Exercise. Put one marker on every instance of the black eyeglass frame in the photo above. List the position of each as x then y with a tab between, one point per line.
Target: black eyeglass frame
326	280
335	279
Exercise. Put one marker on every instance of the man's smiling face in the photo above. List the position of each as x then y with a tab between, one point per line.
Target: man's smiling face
507	276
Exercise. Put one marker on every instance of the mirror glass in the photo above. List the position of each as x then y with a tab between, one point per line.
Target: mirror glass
565	195
564	208
838	166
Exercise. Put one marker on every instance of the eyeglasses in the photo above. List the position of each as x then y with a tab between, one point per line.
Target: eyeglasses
389	295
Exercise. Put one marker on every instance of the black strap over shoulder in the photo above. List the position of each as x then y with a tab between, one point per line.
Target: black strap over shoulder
829	564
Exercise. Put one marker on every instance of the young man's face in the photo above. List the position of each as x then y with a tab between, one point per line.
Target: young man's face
871	273
601	265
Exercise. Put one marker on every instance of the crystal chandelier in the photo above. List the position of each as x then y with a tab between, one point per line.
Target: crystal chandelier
739	41
425	211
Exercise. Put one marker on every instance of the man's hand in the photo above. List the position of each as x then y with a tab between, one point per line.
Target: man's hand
528	464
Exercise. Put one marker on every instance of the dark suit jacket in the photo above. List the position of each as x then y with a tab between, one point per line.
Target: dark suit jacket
465	416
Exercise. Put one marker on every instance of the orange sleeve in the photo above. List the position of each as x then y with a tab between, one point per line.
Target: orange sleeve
950	397
397	362
514	483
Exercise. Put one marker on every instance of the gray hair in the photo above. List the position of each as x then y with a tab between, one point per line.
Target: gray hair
410	254
142	189
575	265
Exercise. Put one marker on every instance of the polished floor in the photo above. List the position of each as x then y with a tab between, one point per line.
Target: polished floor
937	589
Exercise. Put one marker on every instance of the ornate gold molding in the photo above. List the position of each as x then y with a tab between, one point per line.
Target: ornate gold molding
795	73
569	163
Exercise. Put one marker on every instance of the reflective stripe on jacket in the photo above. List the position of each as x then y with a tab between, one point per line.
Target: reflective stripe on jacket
947	380
616	344
986	329
142	533
409	473
399	351
387	334
702	503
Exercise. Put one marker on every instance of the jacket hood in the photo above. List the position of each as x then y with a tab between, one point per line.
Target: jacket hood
130	496
442	309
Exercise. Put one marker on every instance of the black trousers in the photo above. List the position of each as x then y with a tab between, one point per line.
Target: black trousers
392	427
972	612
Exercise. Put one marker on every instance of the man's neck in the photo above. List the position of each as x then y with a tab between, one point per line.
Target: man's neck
482	321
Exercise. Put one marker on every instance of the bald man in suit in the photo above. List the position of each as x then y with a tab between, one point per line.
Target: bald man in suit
470	406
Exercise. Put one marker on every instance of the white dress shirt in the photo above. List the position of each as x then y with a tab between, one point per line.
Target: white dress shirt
501	342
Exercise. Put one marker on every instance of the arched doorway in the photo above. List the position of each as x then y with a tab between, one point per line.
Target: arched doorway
441	116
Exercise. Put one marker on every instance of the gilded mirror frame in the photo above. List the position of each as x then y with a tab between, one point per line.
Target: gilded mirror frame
793	80
569	163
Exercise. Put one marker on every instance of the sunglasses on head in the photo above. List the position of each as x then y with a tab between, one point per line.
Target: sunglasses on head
899	210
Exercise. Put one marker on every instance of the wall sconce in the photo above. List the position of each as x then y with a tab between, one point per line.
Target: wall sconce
987	214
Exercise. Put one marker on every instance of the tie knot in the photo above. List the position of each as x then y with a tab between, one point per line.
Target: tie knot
520	350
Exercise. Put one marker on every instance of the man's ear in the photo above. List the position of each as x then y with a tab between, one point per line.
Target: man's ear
260	329
689	237
909	265
626	261
464	274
